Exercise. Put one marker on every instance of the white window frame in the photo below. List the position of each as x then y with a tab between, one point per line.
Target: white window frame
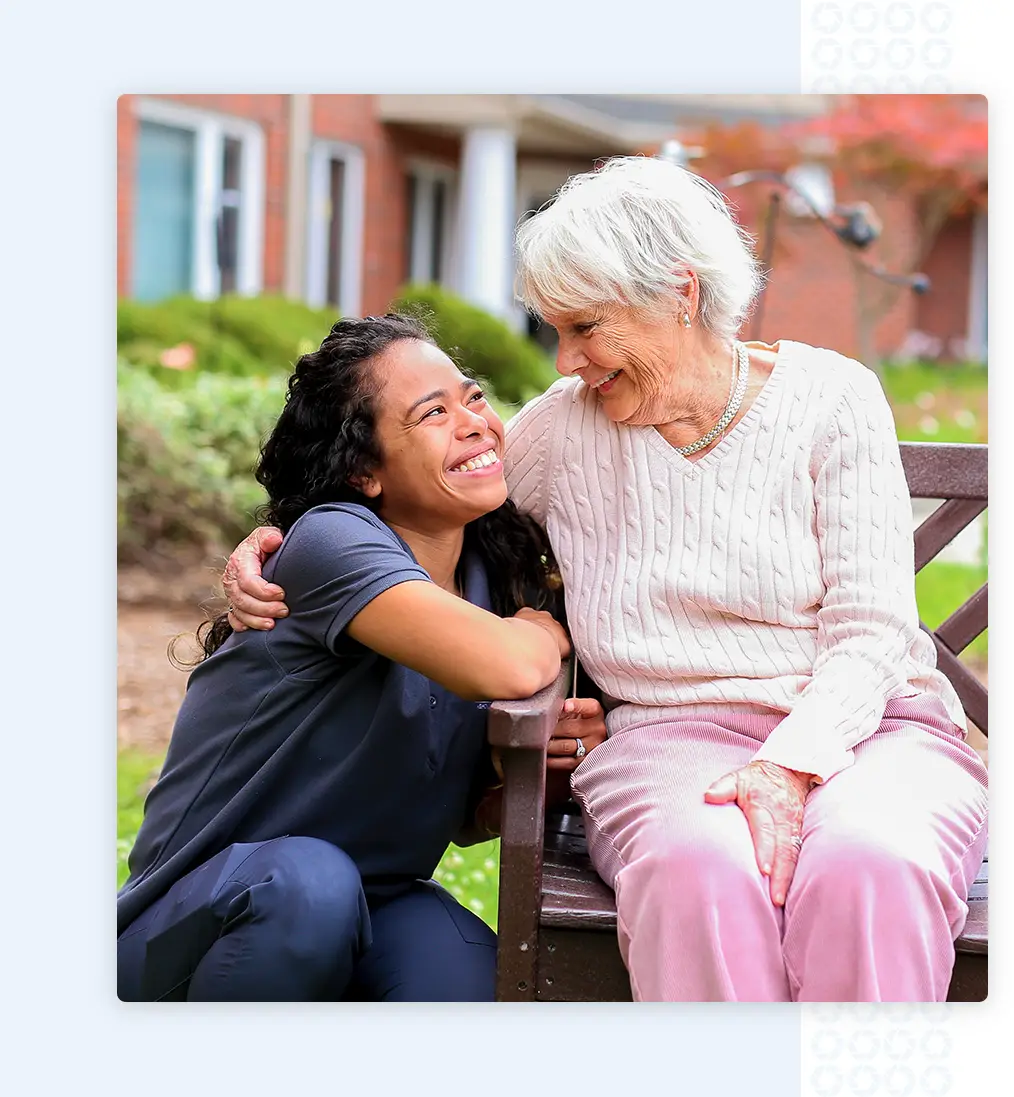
978	333
428	173
535	181
210	128
353	218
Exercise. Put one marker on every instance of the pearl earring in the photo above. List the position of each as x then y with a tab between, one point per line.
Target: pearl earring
686	319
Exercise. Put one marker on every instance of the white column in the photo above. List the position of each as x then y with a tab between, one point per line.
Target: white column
977	320
300	136
486	215
253	195
421	246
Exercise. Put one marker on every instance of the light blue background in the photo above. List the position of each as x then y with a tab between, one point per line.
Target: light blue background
63	67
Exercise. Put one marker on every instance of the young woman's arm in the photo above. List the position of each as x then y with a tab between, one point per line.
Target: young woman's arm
346	574
467	650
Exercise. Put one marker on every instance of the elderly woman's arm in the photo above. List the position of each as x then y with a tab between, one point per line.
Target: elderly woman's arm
868	620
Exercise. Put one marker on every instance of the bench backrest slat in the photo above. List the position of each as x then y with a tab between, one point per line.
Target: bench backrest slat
959	475
972	694
967	622
942	526
943	470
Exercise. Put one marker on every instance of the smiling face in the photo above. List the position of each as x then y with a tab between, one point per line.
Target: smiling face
631	360
441	441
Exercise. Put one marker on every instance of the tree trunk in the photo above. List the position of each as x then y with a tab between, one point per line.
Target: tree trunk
873	301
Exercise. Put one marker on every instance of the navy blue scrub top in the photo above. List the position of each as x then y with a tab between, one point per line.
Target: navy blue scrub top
300	730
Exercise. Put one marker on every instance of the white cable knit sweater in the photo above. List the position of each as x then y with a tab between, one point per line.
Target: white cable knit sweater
775	571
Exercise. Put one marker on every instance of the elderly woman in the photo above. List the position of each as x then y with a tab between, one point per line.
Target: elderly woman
785	806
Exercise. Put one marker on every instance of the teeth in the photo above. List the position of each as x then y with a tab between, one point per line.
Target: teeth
484	460
608	377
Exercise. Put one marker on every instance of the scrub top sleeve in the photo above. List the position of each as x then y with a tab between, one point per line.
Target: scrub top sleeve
335	561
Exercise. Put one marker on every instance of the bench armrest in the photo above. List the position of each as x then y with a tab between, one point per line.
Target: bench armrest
529	724
520	731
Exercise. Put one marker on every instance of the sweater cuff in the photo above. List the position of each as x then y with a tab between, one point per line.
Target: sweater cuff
805	750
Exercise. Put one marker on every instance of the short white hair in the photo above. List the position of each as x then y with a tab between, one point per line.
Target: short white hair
628	234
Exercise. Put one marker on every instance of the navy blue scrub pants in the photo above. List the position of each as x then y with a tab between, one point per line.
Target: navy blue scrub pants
287	921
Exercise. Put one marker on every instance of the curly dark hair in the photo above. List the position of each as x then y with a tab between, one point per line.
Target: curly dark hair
325	441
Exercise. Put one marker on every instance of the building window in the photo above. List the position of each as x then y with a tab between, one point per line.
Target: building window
542	333
335	226
430	224
336	206
198	203
228	217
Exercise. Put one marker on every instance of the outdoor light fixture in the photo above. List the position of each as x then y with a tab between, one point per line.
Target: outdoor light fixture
856	225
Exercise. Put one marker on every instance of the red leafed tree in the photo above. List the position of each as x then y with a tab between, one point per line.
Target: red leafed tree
930	148
722	149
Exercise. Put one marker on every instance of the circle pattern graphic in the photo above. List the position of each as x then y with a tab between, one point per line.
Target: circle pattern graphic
867	1050
870	47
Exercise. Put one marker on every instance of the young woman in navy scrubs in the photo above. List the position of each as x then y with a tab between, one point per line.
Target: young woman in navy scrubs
318	770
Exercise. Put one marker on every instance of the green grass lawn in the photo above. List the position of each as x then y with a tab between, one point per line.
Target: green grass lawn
938	403
940	588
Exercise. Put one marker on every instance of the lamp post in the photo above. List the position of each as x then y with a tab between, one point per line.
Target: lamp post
855	225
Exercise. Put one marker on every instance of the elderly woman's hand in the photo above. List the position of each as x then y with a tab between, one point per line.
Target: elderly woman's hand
253	603
772	798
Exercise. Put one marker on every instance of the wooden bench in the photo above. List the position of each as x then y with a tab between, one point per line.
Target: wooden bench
557	919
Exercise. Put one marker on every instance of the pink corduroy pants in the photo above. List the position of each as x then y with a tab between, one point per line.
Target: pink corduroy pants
890	848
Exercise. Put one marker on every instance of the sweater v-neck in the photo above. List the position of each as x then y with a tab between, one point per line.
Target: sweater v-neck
748	423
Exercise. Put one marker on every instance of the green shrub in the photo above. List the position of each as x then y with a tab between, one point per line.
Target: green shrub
515	366
244	336
185	460
274	330
144	331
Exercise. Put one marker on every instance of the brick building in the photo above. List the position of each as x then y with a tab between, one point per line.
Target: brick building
341	199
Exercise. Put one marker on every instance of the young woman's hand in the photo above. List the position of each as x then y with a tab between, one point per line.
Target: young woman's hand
582	724
550	624
772	798
253	603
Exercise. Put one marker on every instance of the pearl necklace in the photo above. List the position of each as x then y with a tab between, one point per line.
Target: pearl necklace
742	359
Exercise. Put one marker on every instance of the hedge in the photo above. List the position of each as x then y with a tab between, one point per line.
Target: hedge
244	336
185	460
481	344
